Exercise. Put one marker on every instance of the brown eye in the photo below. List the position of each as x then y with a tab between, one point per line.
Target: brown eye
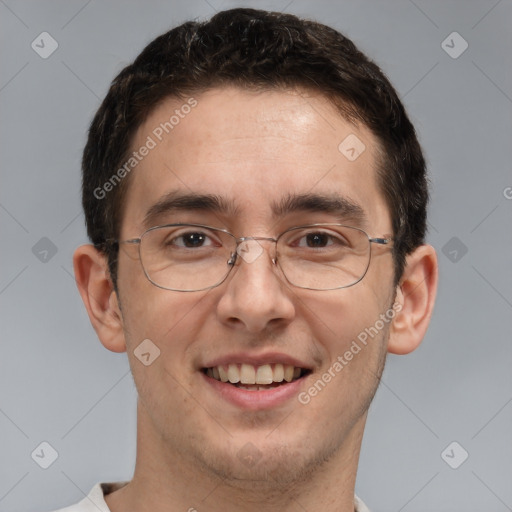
189	240
193	239
317	239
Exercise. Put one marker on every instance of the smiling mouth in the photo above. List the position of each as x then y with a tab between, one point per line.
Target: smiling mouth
256	378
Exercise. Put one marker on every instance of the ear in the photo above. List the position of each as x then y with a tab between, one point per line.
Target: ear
100	299
416	294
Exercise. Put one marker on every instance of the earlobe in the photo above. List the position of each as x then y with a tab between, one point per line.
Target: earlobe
416	294
99	297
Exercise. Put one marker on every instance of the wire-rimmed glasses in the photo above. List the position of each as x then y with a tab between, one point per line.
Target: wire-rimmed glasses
195	257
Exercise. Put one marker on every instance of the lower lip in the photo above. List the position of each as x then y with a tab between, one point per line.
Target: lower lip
255	400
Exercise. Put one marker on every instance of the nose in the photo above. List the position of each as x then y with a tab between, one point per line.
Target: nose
255	295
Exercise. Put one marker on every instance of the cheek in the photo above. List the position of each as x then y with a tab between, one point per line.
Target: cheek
164	325
172	323
149	311
351	339
338	317
347	328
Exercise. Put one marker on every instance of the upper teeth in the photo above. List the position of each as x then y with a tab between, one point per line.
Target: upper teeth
250	374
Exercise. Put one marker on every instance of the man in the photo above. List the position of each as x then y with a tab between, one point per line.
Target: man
256	197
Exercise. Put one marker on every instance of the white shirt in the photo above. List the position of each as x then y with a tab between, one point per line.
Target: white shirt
95	501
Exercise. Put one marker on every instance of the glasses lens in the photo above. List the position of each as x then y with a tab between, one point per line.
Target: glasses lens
186	257
324	257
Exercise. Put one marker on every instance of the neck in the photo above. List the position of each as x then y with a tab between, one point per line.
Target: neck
166	479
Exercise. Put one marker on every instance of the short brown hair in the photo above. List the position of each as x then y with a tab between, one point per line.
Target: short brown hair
260	50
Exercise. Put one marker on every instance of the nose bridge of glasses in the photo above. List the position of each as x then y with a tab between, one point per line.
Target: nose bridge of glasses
250	249
256	238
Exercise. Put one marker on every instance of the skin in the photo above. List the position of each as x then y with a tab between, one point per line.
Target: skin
252	149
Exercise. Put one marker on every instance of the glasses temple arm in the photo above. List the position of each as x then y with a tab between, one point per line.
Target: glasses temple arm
381	241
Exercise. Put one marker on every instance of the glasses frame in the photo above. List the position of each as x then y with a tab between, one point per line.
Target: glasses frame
386	240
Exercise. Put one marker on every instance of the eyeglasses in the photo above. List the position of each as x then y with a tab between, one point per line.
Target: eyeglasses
194	257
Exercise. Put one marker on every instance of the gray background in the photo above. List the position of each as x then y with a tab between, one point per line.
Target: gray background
59	385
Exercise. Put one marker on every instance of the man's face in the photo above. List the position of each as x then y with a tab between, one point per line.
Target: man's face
253	151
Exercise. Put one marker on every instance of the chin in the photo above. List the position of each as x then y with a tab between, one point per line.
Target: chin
261	464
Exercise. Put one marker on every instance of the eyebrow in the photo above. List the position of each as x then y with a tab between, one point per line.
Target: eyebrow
342	207
176	201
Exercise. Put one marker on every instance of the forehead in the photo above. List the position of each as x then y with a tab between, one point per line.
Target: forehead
252	149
